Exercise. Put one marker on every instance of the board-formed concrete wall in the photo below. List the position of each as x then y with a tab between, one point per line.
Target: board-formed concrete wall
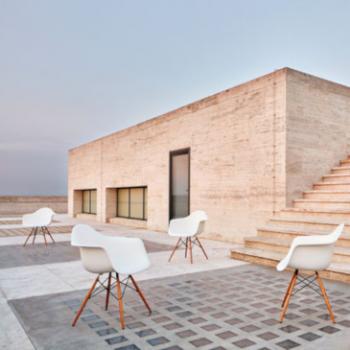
318	129
18	205
237	141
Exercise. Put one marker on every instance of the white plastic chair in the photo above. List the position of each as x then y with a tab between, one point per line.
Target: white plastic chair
187	230
39	220
312	253
101	254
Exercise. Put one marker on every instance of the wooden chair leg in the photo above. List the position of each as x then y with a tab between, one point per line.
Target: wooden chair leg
200	245
186	247
34	235
325	296
190	248
141	294
289	294
120	302
175	248
43	232
30	234
49	233
87	297
108	291
287	291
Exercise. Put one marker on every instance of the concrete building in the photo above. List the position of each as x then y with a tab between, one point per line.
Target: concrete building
242	155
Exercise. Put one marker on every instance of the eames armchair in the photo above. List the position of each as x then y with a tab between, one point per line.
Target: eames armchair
38	221
187	230
113	256
311	253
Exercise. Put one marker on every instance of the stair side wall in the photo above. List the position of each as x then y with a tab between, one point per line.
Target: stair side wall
318	130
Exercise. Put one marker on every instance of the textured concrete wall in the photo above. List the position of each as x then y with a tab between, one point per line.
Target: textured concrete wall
318	129
14	205
237	140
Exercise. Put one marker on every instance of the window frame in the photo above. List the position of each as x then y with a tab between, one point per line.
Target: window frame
144	216
82	201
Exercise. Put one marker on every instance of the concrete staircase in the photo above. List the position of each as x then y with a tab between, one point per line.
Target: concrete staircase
319	211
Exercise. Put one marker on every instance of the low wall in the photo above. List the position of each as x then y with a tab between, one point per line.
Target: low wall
15	205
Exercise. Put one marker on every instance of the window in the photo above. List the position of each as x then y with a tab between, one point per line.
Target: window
89	201
132	203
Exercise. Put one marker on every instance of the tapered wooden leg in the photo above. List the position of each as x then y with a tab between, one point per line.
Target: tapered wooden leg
49	233
120	302
186	247
287	291
190	248
43	232
176	246
31	232
82	306
325	296
141	294
34	235
200	245
289	294
108	291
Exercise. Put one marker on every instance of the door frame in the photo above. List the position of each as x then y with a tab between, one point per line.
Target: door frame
186	150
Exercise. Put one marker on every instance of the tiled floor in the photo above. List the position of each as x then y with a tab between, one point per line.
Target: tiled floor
20	231
232	308
38	254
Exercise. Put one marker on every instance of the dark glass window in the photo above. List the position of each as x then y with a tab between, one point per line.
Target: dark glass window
89	201
132	203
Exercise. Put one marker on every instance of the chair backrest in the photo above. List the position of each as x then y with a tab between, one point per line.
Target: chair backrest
314	252
41	217
101	252
190	225
200	217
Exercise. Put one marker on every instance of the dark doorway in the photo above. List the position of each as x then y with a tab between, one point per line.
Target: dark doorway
179	183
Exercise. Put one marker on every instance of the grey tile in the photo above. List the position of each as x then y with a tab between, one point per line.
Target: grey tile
289	329
116	340
158	341
226	335
200	342
288	344
329	329
309	336
186	333
267	336
244	343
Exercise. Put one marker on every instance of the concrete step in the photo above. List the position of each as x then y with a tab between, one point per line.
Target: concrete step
341	170
345	162
322	204
341	254
336	271
338	178
332	186
298	213
278	233
325	195
306	224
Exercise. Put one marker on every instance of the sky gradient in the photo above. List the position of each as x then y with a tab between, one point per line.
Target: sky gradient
72	71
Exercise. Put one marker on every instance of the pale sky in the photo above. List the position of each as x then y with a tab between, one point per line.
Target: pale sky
72	71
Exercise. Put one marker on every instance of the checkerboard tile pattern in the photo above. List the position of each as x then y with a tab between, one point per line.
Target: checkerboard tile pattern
235	308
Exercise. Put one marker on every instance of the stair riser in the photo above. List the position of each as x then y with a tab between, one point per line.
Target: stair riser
283	249
285	214
345	162
327	196
322	206
342	178
341	171
342	242
335	276
332	187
